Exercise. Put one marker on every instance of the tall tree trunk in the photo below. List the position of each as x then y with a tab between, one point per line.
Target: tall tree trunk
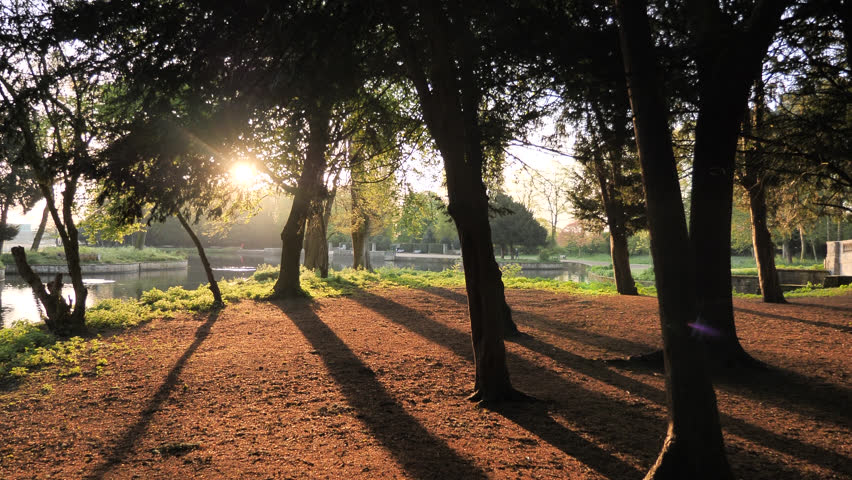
40	232
4	212
814	249
450	100
316	241
753	180
802	244
694	447
729	60
360	224
309	186
213	285
764	249
787	250
620	253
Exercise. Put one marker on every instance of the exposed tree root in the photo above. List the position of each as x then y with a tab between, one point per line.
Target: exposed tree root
493	400
718	363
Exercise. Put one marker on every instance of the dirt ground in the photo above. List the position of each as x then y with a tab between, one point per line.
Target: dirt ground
373	386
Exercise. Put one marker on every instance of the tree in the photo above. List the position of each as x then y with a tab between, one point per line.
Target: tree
512	225
49	97
607	193
42	224
694	446
446	62
728	56
756	178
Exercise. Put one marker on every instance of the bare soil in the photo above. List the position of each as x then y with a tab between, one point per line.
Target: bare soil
374	386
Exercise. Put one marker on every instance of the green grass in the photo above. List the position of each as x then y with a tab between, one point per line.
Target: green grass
25	348
110	255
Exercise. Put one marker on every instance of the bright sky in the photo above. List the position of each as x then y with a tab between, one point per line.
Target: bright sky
424	179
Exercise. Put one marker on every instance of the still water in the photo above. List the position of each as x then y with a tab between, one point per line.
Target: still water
17	301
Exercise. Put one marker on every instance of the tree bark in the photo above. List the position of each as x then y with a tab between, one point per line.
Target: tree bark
801	244
620	253
694	447
754	182
309	186
729	60
316	246
450	101
764	249
787	250
4	211
40	232
213	285
360	228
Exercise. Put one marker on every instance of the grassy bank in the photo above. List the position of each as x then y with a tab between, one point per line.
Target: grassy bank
25	348
89	255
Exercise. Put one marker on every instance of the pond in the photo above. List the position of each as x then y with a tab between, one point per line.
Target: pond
17	301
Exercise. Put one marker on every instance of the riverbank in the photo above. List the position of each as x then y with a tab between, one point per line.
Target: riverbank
373	385
96	268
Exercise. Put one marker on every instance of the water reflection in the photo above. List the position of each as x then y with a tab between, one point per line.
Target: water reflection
17	301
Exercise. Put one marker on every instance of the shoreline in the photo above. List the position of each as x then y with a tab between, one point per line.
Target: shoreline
88	268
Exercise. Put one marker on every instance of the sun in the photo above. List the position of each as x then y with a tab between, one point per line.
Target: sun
243	175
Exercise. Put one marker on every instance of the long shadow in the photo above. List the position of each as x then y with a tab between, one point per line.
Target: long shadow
436	332
816	323
525	318
128	439
419	452
836	308
535	419
737	426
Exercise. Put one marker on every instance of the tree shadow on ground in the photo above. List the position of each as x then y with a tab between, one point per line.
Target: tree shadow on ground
836	308
608	413
419	452
834	326
534	418
125	443
525	318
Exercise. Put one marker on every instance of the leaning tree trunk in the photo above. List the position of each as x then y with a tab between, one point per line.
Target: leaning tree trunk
213	285
40	232
694	447
309	186
764	248
450	100
316	246
754	182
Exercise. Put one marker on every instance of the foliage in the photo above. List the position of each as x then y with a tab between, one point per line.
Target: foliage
9	232
513	224
25	348
424	219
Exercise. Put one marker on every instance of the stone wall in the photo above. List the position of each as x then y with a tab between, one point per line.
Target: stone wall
839	258
105	267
